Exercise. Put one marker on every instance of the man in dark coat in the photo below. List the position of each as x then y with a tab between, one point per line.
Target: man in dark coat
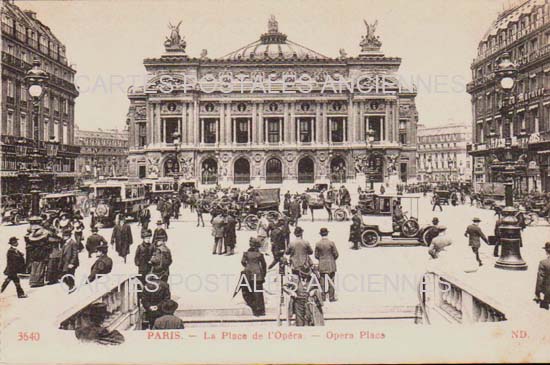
15	264
159	233
94	241
475	235
299	251
168	321
143	255
543	280
436	200
69	259
154	293
161	261
122	238
176	208
145	218
92	329
295	210
327	254
103	265
167	213
230	232
355	232
278	242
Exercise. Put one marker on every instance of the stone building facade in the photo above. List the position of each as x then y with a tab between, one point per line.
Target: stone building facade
442	156
523	31
103	152
272	111
24	39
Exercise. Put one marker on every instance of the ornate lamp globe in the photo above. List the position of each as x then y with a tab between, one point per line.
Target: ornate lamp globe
35	78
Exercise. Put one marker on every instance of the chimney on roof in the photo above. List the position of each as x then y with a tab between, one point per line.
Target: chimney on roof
30	13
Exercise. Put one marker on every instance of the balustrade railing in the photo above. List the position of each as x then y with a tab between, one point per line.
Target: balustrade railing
122	307
448	301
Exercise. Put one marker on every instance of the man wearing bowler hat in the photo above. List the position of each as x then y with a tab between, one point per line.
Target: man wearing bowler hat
143	255
103	265
475	235
94	241
299	251
327	254
159	233
543	280
15	265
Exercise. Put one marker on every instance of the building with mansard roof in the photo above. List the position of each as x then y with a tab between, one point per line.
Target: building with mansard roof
522	31
24	39
272	111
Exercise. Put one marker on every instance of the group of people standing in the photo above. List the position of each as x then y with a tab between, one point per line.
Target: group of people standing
309	284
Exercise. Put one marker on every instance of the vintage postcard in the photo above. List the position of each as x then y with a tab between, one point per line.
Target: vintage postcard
353	181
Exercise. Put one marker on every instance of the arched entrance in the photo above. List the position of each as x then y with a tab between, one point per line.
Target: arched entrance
171	167
241	171
338	170
273	171
209	171
306	171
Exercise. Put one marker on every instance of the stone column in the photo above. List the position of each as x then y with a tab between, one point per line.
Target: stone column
352	120
318	127
254	124
196	123
158	124
261	124
324	130
286	123
292	126
221	124
362	134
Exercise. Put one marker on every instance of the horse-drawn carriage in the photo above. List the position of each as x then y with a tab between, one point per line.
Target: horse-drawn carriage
389	223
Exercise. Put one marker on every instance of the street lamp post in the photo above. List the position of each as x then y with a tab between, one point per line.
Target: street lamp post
367	169
509	230
176	137
35	79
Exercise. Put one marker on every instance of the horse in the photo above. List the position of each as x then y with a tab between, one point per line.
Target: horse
319	202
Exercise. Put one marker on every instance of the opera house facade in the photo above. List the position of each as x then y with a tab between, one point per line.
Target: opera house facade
270	112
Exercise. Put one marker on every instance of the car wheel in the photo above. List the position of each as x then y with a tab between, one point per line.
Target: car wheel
340	215
16	219
410	228
251	222
370	238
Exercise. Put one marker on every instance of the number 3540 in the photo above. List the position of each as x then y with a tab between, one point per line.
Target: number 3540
28	336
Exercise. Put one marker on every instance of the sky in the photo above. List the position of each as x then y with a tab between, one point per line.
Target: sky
107	41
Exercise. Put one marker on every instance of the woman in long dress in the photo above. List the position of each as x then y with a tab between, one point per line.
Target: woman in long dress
255	269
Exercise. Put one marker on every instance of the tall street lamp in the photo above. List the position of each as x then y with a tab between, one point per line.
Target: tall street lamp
35	79
367	168
509	229
176	138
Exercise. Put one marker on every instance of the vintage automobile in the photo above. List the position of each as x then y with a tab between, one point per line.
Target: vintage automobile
389	222
118	197
15	208
160	188
260	200
444	196
54	205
